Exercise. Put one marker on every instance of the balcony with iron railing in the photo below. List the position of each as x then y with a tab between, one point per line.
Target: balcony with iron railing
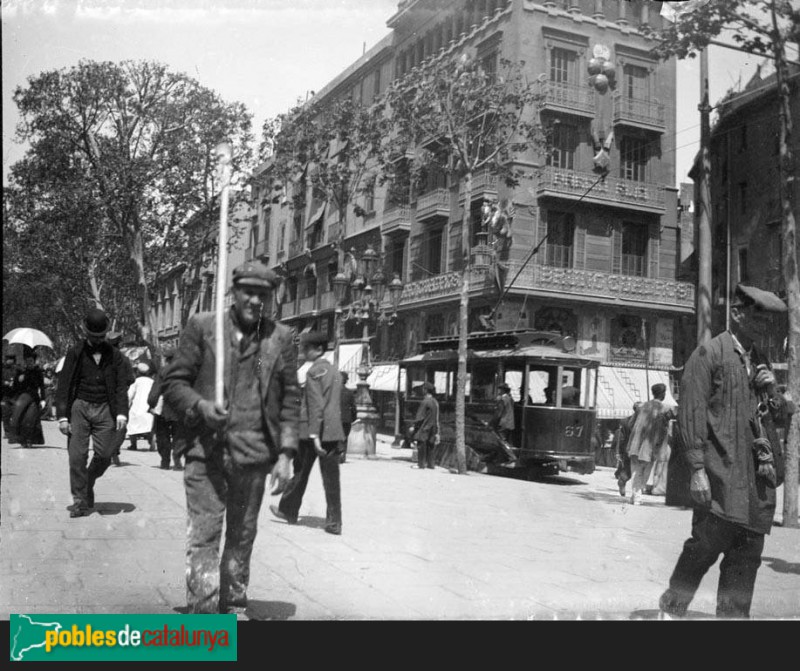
568	98
484	185
434	203
397	219
616	191
647	114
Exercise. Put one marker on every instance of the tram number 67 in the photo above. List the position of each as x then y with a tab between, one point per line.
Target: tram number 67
573	431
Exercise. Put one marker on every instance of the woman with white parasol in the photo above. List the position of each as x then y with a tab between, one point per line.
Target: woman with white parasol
28	389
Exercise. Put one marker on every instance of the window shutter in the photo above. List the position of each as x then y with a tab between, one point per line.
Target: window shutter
616	254
415	256
542	228
456	253
654	249
579	256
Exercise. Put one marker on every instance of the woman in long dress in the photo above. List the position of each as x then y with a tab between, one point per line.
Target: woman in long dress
29	393
140	420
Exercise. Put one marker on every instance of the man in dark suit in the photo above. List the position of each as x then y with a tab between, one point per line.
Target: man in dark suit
348	413
426	428
91	402
321	435
230	448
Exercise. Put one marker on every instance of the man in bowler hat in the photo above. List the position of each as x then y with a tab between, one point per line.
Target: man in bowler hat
321	435
91	402
231	448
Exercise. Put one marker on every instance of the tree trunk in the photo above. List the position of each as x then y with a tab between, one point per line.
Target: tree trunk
146	325
463	326
791	281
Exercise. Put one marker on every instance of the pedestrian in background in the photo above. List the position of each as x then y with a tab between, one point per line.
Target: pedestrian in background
140	419
114	338
28	391
348	414
623	470
503	417
9	372
230	449
321	435
647	437
426	428
91	403
167	430
733	470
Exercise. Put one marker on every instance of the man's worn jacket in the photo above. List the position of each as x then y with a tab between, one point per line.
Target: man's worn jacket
717	404
191	375
112	365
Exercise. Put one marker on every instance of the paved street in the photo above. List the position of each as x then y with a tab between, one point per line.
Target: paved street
416	545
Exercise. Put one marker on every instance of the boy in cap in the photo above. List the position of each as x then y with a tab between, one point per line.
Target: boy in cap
733	471
321	435
91	402
231	448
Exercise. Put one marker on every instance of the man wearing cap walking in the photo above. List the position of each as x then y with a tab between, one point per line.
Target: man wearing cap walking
321	435
425	429
91	402
733	469
230	449
647	438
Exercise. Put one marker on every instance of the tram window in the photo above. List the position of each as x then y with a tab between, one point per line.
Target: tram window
513	378
538	381
415	377
481	383
442	380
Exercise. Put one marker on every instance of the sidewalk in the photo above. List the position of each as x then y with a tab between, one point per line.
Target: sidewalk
416	545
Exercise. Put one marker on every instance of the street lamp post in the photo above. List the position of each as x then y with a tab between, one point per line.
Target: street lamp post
367	291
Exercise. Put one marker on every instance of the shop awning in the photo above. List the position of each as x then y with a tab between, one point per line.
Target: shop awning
384	377
618	388
349	359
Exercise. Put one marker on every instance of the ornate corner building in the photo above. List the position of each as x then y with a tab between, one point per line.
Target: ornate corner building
608	272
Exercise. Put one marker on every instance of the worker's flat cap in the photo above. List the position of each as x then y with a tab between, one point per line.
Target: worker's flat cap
254	274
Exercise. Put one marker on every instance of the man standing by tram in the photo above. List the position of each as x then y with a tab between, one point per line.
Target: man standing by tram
503	419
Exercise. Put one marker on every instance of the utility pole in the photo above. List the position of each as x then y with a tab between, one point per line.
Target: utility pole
703	206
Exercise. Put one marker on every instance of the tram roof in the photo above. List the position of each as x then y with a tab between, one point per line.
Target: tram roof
544	345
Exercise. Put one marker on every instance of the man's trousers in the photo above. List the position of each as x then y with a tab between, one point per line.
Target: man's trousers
741	550
292	498
89	420
217	491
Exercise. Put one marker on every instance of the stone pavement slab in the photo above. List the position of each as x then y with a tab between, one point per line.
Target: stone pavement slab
416	545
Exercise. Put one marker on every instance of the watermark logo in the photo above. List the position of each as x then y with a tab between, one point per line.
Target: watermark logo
123	638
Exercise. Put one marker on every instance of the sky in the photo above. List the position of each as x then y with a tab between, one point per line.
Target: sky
263	53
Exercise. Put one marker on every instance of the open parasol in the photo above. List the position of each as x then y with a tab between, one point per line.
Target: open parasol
28	336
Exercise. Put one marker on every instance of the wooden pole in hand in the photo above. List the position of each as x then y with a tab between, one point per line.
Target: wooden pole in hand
223	153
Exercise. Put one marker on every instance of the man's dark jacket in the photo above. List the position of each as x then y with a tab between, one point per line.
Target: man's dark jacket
112	365
320	411
191	377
